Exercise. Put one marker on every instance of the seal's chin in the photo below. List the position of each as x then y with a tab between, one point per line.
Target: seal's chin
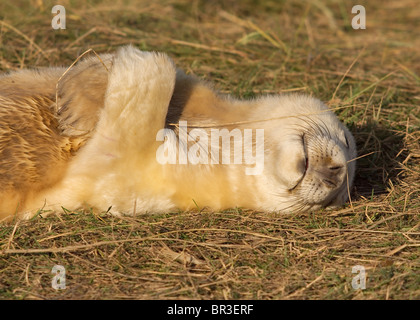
332	200
339	197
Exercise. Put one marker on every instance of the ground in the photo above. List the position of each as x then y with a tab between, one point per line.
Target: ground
370	77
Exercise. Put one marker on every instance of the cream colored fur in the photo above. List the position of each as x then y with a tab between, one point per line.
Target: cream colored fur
306	149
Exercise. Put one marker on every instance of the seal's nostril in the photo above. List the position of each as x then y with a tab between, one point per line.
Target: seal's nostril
335	168
329	183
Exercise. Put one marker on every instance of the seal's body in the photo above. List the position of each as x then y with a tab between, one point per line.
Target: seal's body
134	134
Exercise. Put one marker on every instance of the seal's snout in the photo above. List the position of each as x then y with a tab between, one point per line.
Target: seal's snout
331	176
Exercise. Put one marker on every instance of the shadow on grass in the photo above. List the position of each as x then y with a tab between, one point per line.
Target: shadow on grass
383	153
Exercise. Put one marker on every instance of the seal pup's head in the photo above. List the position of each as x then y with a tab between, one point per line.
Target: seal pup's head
313	157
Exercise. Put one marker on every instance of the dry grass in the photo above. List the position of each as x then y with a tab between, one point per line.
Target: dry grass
247	48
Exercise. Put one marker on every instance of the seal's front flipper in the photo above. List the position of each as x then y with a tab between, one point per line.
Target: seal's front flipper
140	87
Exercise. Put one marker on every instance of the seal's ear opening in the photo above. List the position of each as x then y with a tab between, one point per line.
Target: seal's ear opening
291	161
